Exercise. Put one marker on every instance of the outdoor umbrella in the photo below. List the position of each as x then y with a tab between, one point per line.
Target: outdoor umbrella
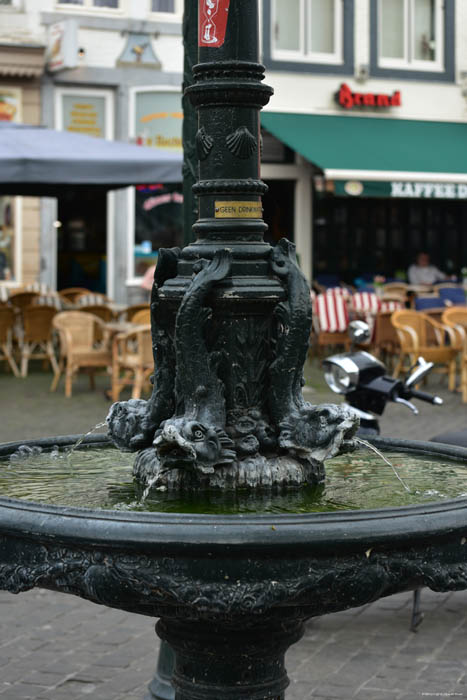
37	161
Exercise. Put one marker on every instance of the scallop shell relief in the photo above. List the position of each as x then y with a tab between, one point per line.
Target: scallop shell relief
241	143
204	143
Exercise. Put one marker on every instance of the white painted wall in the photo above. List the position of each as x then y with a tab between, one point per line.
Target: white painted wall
314	94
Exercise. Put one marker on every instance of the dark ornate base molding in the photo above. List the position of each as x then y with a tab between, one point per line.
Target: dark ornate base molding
254	473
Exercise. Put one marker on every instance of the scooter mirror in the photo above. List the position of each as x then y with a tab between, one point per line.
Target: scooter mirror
359	332
418	373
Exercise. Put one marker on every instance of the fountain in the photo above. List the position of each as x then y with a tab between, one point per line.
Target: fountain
231	320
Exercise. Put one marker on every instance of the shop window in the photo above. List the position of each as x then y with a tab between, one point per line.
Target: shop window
158	222
307	30
413	35
155	121
7	240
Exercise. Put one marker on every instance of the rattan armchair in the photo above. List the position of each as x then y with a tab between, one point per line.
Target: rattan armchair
455	318
132	361
130	311
142	317
36	343
7	323
421	336
83	345
72	293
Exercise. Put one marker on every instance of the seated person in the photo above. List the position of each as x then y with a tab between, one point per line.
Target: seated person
421	272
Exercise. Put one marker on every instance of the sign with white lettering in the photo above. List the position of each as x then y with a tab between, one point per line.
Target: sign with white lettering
397	190
212	22
429	190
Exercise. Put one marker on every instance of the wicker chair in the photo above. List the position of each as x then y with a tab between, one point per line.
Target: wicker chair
132	361
130	311
104	312
142	317
7	322
80	346
91	299
23	299
420	335
456	319
36	343
72	293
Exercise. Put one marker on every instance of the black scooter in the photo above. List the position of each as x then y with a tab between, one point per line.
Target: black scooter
362	379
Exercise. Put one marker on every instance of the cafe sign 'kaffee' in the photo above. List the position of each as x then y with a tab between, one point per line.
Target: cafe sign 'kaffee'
348	99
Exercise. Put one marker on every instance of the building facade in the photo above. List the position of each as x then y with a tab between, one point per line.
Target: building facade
113	69
371	96
22	59
363	143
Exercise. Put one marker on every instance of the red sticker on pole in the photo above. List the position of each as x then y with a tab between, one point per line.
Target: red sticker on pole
212	22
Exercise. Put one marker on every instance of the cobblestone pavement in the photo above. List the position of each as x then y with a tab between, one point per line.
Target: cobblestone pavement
57	647
29	410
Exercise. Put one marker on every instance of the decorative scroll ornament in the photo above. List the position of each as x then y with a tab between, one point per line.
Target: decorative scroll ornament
204	143
212	22
305	431
241	143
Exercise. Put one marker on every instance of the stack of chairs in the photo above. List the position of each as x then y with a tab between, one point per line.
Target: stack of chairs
331	318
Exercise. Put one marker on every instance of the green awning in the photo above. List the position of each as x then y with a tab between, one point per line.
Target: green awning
375	148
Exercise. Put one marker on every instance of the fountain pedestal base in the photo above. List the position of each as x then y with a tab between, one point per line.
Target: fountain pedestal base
214	661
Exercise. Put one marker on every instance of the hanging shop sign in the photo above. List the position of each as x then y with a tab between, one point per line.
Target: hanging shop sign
348	99
62	51
212	22
85	114
158	119
10	104
397	190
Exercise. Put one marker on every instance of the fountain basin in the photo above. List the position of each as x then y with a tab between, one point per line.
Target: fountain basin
229	588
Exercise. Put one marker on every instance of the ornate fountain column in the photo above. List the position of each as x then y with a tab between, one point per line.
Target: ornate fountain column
231	316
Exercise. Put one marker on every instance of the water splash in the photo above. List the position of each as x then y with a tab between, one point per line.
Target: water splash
83	438
24	452
369	446
149	486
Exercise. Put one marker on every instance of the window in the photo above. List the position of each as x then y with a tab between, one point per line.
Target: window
172	9
156	121
307	30
411	34
163	6
8	266
88	4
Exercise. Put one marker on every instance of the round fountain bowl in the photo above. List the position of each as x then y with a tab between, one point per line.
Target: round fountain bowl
233	573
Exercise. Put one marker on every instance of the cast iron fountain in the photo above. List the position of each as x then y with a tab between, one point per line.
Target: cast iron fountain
231	320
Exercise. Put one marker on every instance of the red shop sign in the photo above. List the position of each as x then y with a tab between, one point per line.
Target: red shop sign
348	99
212	22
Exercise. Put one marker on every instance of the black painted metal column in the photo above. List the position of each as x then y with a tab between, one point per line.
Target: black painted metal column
217	662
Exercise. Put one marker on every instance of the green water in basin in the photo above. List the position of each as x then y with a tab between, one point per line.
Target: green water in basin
101	478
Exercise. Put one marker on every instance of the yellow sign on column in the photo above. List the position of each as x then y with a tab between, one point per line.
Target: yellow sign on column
238	210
